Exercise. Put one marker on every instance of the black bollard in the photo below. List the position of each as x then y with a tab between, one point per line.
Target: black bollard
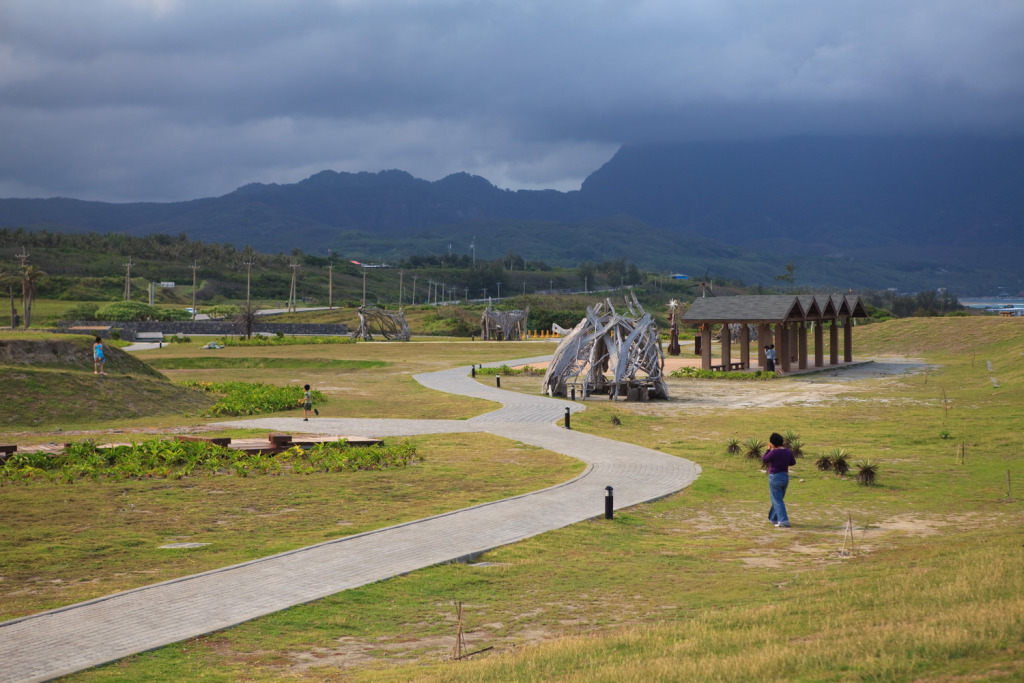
473	370
609	502
567	426
497	379
574	393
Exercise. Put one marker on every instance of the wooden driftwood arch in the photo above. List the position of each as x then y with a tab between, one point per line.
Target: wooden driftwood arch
605	341
390	324
503	325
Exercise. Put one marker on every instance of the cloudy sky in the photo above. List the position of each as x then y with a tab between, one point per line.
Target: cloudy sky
159	100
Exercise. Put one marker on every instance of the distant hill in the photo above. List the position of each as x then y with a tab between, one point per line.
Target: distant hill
869	212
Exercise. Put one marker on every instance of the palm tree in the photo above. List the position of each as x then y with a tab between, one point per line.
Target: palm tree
29	276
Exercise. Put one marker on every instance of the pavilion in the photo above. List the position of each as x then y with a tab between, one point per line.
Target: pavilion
783	320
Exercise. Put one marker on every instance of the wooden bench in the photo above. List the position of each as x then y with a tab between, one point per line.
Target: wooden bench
729	366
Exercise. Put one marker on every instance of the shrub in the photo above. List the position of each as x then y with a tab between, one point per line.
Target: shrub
126	311
755	447
867	472
244	398
840	461
795	446
172	459
733	446
824	462
788	438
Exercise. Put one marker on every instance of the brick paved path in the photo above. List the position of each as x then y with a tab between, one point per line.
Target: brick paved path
61	641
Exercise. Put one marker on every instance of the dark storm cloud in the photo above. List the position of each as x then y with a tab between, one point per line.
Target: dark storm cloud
173	99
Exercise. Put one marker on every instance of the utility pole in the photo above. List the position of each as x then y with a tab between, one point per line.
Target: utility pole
499	290
248	281
330	286
363	305
414	276
401	277
293	294
195	267
128	279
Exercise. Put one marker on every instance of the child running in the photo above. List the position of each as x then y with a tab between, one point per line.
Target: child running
307	404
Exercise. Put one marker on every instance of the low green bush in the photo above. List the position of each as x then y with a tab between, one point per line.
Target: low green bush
172	459
245	398
697	373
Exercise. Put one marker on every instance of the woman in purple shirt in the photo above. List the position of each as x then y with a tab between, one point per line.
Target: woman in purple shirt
778	460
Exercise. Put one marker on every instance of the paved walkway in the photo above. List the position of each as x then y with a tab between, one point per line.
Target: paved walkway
46	645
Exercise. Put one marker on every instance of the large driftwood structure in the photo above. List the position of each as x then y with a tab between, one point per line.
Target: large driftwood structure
503	325
627	346
390	324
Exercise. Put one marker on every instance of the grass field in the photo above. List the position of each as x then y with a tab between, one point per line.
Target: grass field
695	586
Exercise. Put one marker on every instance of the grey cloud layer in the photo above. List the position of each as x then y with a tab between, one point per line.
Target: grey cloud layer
172	99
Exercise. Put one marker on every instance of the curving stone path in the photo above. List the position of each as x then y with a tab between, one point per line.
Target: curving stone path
46	645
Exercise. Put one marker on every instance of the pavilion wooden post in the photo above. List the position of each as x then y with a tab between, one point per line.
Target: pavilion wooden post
792	343
745	346
847	340
802	342
705	346
764	337
833	341
782	344
726	346
819	344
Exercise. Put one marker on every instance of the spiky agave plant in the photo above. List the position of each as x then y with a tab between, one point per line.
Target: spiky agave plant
797	447
788	438
733	446
755	447
824	462
867	472
840	461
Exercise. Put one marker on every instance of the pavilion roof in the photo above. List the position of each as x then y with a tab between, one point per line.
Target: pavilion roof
772	308
766	308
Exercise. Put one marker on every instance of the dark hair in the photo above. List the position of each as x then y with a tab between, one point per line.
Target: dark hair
306	387
99	340
776	439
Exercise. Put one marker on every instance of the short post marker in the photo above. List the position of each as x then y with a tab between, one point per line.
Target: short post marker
609	502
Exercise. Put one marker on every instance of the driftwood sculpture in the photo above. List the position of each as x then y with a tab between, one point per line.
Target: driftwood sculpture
627	346
390	324
503	325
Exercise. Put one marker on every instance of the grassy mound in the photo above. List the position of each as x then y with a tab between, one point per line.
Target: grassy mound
50	382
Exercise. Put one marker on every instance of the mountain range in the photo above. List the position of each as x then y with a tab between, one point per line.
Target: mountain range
908	213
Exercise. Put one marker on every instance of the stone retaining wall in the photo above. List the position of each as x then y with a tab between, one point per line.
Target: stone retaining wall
217	328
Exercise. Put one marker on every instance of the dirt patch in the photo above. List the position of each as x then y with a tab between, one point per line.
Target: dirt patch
820	388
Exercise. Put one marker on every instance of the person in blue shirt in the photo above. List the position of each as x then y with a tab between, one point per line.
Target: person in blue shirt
98	359
778	460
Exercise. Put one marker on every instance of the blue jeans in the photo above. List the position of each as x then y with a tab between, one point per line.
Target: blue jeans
777	484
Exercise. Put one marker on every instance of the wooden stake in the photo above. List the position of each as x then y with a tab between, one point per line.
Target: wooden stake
1009	493
848	534
460	638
